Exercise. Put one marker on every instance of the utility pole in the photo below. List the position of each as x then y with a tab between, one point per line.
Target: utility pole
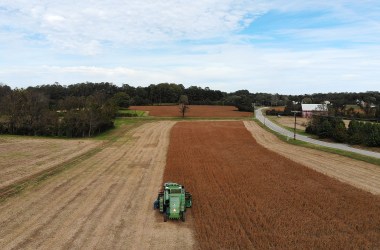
295	120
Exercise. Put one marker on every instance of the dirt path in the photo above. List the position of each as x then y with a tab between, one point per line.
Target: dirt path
20	158
105	203
357	173
248	197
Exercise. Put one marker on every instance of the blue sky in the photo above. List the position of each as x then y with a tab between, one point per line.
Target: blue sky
288	47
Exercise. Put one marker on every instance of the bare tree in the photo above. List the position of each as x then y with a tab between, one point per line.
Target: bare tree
183	105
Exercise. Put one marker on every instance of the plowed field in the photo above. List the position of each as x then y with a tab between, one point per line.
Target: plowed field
194	111
105	202
246	196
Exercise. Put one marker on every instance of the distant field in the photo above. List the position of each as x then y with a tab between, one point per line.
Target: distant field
194	111
278	108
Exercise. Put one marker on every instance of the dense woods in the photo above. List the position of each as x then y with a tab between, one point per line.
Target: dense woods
30	112
86	109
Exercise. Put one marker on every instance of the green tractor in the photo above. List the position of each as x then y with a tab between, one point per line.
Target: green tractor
172	201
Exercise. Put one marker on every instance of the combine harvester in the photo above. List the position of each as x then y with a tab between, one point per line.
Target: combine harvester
173	201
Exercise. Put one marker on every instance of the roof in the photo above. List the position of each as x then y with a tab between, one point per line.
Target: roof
314	107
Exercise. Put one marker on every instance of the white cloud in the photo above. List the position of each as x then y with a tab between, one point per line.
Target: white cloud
230	68
143	42
75	24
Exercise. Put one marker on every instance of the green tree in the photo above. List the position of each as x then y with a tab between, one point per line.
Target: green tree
121	99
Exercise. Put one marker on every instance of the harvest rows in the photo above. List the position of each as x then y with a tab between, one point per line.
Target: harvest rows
246	196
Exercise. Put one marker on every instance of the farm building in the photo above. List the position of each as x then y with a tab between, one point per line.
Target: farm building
309	109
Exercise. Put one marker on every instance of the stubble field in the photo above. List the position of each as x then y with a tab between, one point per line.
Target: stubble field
22	158
103	203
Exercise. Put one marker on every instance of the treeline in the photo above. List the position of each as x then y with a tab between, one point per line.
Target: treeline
85	109
29	112
360	133
354	105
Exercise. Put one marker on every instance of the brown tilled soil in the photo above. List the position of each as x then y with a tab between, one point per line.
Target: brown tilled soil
24	157
194	111
357	173
246	196
106	202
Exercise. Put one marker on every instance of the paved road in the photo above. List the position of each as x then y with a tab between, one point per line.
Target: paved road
285	132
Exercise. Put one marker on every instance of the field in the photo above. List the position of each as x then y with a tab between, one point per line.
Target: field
356	173
288	121
194	111
250	190
21	158
105	202
249	197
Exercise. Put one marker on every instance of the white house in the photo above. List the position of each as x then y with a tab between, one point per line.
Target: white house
309	109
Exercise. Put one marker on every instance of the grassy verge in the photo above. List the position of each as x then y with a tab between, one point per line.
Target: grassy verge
351	155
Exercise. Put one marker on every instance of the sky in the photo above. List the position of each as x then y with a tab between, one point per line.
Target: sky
272	46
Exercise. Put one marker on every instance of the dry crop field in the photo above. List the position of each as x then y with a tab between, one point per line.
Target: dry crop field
21	158
246	196
105	202
288	121
194	111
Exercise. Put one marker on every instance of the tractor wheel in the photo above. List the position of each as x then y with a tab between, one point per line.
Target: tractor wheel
183	217
165	217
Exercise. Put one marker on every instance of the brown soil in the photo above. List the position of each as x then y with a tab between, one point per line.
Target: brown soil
24	157
357	173
288	121
246	196
106	202
193	111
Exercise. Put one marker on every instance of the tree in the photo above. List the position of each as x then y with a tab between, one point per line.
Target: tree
307	100
121	100
183	105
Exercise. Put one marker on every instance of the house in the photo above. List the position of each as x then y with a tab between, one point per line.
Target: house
309	109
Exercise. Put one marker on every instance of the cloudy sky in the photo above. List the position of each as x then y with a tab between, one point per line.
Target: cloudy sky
275	46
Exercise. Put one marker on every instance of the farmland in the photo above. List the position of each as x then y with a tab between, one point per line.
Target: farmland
105	202
250	190
21	158
249	197
194	111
